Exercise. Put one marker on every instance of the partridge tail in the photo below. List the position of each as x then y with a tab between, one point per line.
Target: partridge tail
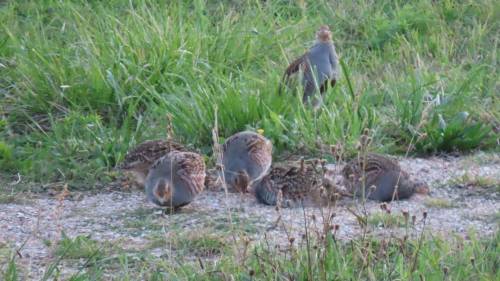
291	69
266	195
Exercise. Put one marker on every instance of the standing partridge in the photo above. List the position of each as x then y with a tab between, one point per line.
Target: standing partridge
380	178
319	66
175	179
247	156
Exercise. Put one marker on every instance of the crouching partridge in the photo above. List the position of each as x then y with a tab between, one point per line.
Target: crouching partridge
138	160
247	156
380	178
292	185
175	179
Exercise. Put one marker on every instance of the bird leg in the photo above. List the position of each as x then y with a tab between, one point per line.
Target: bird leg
333	82
324	87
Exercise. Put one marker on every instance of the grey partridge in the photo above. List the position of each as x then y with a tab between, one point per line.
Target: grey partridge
138	160
175	179
297	185
247	156
319	66
380	178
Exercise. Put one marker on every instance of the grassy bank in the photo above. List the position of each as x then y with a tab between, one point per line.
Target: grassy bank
429	258
82	81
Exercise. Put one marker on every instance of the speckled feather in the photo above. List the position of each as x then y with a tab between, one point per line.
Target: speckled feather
189	166
372	164
260	150
298	184
191	169
148	152
185	174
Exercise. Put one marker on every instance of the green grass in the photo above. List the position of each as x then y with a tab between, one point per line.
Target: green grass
387	220
440	203
202	243
12	199
431	258
12	190
83	81
476	182
78	248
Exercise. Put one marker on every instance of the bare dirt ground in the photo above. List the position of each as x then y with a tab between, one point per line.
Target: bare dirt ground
464	199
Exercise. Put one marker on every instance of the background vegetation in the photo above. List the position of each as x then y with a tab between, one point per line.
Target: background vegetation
82	81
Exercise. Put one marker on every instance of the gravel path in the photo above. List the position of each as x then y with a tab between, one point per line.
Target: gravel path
455	205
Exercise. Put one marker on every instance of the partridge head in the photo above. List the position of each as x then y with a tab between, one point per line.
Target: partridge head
175	179
247	156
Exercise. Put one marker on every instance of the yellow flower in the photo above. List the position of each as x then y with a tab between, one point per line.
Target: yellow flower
260	131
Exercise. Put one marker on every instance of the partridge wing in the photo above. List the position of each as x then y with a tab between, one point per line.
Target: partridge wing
293	68
192	173
194	182
295	65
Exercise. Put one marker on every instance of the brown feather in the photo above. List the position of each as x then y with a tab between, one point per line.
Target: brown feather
260	150
292	68
191	169
294	183
148	152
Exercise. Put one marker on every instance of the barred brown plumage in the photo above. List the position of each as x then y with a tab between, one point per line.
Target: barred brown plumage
260	150
382	173
150	151
184	177
298	184
139	160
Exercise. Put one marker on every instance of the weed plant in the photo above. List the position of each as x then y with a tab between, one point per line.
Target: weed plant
83	81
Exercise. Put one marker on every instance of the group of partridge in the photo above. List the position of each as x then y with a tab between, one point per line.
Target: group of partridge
173	176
